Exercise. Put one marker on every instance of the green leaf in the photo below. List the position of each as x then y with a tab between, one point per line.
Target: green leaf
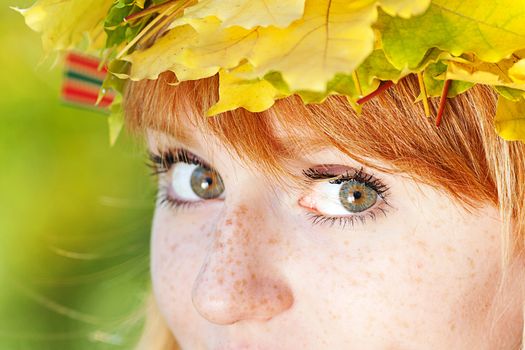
115	119
509	93
434	79
490	29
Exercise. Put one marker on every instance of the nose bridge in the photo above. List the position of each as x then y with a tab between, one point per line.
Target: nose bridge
237	281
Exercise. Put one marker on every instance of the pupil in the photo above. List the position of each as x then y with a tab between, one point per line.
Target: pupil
206	184
356	196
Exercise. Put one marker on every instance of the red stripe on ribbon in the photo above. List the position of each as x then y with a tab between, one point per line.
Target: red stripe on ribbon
86	61
75	94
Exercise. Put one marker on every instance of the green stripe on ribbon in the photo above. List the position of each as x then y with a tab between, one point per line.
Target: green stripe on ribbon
82	77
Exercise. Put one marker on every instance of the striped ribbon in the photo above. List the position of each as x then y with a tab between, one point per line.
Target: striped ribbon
82	82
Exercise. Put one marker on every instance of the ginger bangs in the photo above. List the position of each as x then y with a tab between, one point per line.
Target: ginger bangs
457	156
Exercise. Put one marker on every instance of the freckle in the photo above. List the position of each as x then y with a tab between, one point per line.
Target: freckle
280	297
237	262
173	247
347	243
419	264
471	262
228	222
253	276
418	280
272	241
220	281
450	249
421	245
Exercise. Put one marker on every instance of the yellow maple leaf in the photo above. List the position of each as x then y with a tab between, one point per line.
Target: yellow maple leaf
517	72
404	8
248	13
165	55
510	119
67	24
332	37
479	72
254	95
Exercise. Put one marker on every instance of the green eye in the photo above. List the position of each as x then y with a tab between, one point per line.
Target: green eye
356	196
206	183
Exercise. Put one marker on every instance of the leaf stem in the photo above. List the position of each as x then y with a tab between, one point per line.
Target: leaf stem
166	20
149	10
357	83
144	31
423	90
385	85
442	102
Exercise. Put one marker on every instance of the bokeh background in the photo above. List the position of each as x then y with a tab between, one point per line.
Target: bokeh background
74	212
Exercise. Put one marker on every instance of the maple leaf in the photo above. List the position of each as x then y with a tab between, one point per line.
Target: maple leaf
517	72
332	37
67	24
434	77
254	95
495	74
248	13
510	119
492	30
165	55
404	8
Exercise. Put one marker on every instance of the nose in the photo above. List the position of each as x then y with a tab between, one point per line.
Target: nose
239	280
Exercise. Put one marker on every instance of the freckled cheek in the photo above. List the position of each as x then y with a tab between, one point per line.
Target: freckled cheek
177	252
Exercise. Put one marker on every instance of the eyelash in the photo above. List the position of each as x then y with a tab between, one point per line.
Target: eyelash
359	175
161	163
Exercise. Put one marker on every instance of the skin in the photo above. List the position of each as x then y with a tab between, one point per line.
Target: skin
251	271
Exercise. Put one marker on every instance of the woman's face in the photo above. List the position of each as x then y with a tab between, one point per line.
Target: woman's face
357	259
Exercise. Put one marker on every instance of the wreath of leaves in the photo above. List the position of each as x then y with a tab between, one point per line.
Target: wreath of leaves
264	50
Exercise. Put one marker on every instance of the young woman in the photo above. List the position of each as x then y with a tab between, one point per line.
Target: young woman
309	227
295	225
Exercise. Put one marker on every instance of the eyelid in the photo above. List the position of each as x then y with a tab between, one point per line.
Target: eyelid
161	161
336	174
339	174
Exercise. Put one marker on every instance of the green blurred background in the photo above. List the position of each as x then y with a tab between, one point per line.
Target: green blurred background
74	212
